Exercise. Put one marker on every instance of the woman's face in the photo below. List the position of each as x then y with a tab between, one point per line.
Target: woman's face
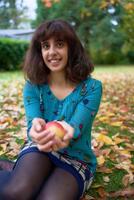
55	54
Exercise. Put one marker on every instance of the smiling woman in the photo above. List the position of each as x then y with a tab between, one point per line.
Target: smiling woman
58	31
59	90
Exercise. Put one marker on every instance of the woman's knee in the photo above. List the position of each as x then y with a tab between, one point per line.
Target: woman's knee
56	196
60	185
15	192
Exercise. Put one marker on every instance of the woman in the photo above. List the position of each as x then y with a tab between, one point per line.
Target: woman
59	88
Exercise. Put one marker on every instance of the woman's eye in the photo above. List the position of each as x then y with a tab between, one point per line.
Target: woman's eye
60	44
45	46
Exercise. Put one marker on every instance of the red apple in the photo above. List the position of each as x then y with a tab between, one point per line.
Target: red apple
57	128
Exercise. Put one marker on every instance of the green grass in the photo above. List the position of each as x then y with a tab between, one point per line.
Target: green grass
7	75
114	69
115	182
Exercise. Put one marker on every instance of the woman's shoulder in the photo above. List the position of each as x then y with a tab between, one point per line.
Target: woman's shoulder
28	83
89	85
92	82
31	87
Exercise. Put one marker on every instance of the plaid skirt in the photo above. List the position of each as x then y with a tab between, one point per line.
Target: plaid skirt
76	167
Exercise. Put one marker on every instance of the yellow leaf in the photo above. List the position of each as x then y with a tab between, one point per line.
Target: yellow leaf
110	114
103	119
132	167
118	140
3	148
116	123
107	140
124	127
100	160
96	185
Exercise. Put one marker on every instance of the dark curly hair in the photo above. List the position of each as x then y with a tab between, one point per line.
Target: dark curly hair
78	68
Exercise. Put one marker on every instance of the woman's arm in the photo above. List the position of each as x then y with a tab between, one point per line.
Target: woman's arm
86	110
35	122
83	116
31	104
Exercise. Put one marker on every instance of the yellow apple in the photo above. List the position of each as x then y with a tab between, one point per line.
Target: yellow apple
57	128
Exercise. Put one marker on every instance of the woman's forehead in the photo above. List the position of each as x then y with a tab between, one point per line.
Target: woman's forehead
56	35
55	39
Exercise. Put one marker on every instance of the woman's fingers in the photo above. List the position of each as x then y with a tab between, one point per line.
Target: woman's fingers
42	136
38	124
46	147
59	144
51	143
49	136
68	136
46	140
55	147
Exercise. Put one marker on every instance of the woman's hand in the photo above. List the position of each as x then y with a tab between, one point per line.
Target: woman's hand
43	138
62	143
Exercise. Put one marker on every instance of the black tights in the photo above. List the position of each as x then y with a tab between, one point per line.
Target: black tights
36	178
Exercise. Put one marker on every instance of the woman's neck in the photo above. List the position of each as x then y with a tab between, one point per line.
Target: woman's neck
57	79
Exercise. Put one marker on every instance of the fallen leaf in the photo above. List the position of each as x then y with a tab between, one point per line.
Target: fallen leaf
100	160
103	138
104	169
124	165
95	185
128	179
106	179
125	153
127	192
88	197
3	148
116	124
118	140
102	193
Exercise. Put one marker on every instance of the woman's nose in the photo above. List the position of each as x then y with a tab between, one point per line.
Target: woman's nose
52	50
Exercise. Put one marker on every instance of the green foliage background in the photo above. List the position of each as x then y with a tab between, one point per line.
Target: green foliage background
12	13
12	53
106	42
105	28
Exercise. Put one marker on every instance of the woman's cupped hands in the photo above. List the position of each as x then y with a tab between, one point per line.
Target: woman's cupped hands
46	140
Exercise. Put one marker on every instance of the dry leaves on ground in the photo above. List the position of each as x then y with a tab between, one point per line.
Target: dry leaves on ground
113	131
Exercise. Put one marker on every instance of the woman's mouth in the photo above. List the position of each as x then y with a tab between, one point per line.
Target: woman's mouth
54	61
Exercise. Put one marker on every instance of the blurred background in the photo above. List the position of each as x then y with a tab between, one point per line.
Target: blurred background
105	27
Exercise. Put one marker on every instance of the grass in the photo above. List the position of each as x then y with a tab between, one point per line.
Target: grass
15	75
114	69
